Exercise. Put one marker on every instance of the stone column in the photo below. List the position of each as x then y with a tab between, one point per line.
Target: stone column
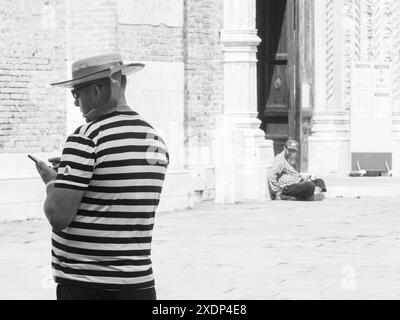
242	153
329	142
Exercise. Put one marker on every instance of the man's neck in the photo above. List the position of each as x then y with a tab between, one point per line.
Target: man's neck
122	105
289	160
122	108
119	108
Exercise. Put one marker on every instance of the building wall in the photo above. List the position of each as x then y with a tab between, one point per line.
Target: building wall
145	42
32	114
91	28
179	92
152	32
203	74
32	45
181	87
147	33
348	31
204	91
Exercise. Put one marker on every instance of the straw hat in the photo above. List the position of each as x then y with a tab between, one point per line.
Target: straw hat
98	67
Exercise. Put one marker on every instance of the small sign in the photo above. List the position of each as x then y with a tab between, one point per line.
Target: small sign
382	105
382	77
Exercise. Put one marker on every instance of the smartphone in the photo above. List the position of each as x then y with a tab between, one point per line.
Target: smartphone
33	158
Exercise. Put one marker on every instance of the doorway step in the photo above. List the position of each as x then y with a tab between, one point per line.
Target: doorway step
357	187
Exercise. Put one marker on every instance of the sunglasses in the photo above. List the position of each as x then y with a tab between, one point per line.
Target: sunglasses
75	91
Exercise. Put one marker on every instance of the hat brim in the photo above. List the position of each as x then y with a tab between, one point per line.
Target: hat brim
126	69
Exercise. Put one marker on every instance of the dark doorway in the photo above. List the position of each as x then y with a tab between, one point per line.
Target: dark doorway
278	106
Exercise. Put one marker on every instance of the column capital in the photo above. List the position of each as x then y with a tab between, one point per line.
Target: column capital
240	38
240	45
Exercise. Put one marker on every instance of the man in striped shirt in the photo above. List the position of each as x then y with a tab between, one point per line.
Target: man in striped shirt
285	182
101	202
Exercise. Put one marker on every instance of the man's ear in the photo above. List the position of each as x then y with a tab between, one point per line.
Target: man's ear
115	89
116	79
95	92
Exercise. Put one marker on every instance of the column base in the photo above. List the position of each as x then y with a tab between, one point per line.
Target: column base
329	144
243	158
329	157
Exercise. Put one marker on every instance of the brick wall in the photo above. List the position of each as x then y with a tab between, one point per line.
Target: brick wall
32	46
92	28
38	38
203	68
150	43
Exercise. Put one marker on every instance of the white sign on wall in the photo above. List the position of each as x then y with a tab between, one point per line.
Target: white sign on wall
371	110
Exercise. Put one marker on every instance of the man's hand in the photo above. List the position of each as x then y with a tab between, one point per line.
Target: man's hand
55	162
46	173
308	176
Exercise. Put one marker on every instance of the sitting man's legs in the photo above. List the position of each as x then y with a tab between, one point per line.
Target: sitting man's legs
301	191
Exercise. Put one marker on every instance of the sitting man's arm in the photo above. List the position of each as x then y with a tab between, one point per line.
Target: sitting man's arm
308	176
276	173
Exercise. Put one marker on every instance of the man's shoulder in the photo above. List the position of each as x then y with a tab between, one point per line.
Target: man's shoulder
280	156
279	160
78	137
81	131
136	124
78	131
126	121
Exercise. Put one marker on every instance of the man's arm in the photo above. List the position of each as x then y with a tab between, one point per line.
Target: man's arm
61	206
66	187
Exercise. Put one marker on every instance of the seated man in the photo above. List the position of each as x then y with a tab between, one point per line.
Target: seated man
286	183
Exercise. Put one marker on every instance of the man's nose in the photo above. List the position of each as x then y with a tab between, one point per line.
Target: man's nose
76	103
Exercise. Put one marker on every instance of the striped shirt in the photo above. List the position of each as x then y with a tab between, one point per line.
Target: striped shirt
282	174
120	162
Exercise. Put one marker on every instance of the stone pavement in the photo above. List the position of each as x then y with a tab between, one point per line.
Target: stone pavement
336	249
